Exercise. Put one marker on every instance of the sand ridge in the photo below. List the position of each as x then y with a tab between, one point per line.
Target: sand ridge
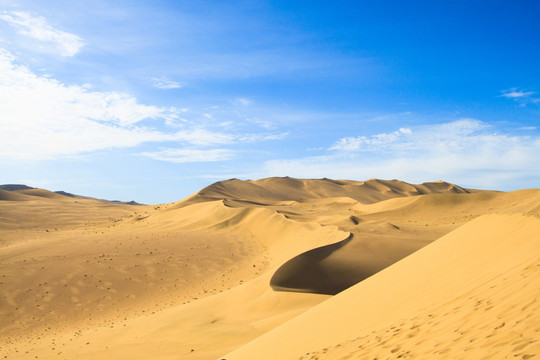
275	189
83	278
455	298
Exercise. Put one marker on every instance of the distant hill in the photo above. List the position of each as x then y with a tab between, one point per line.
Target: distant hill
276	189
14	187
68	194
21	192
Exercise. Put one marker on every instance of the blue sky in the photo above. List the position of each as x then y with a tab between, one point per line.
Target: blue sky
153	100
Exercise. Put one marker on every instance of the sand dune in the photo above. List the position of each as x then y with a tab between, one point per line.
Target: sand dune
14	187
13	196
471	294
41	193
83	278
271	190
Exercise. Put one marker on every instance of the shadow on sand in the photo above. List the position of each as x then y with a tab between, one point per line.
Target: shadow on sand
316	271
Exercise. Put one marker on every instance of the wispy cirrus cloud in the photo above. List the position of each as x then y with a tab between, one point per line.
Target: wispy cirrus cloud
165	84
36	27
520	96
466	150
191	155
243	101
365	142
205	141
42	118
516	94
432	137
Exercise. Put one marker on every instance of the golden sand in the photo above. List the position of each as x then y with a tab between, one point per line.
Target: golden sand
277	268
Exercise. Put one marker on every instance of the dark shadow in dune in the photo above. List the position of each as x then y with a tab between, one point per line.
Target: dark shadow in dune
308	272
333	268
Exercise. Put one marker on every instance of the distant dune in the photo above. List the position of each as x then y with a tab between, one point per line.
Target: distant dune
275	189
15	189
7	195
277	268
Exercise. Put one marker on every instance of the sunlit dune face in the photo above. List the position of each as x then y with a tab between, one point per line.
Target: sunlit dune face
85	278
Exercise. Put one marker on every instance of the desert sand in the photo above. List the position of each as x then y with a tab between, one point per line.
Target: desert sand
278	268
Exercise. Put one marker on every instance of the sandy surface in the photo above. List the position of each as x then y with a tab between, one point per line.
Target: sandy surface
274	268
453	299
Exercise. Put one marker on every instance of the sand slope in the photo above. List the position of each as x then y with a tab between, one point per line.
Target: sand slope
471	294
277	189
82	278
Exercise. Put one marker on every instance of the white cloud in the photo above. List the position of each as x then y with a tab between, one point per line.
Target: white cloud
42	118
203	137
363	142
205	140
463	151
515	94
191	155
243	101
434	137
522	97
36	27
165	84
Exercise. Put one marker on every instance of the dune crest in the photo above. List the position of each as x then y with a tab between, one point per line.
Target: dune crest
471	294
86	278
276	189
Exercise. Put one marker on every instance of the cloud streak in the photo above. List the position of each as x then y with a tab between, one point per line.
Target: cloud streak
520	96
191	155
516	94
165	84
367	143
42	118
441	137
466	150
36	27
